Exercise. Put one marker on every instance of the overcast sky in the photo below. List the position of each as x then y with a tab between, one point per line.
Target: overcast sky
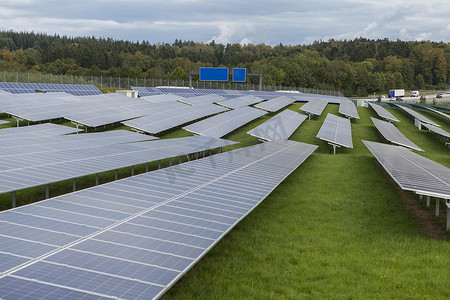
271	22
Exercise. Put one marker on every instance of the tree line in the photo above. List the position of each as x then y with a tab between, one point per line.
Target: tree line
356	67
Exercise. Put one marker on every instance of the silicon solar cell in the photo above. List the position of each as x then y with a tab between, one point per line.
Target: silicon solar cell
348	109
336	131
382	112
280	127
392	134
224	123
145	243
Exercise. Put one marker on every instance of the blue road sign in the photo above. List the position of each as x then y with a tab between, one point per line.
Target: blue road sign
239	74
214	74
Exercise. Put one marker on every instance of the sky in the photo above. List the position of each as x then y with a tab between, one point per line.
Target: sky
270	22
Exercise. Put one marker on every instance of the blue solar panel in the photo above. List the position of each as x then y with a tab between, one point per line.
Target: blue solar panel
74	89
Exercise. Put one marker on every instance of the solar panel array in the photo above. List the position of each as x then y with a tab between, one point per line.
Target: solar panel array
275	104
336	131
280	127
134	238
165	120
240	101
382	112
411	171
146	91
393	135
348	109
437	130
91	111
224	123
74	89
20	171
416	115
315	106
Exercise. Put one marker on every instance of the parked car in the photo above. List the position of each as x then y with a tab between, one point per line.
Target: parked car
439	95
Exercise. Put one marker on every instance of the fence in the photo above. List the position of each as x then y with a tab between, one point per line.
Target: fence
127	82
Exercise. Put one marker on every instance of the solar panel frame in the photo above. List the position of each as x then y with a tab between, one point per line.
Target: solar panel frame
20	88
336	131
279	127
393	135
148	238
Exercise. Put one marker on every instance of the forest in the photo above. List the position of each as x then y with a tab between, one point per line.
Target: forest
358	67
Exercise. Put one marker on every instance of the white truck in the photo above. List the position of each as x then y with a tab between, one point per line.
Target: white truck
396	93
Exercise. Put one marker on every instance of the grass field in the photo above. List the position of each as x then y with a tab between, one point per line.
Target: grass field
337	228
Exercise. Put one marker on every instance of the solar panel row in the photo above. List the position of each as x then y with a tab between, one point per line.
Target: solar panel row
74	89
437	130
382	112
38	130
240	101
280	127
224	123
133	238
39	168
275	104
393	135
416	115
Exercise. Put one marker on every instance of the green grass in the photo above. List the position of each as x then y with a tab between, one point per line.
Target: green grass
336	228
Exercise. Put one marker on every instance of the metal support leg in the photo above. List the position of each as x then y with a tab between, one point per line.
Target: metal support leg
146	167
159	164
420	196
447	227
170	162
334	149
428	201
74	184
437	208
116	174
179	159
132	170
96	178
210	152
47	191
13	201
188	156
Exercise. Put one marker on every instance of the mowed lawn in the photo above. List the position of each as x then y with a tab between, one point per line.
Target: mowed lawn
335	228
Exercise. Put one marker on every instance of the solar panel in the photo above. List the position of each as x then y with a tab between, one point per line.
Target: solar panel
411	171
393	135
275	104
165	120
348	109
22	171
134	238
3	122
437	112
416	115
162	98
204	99
314	107
336	131
240	101
224	123
437	130
74	89
280	127
382	112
